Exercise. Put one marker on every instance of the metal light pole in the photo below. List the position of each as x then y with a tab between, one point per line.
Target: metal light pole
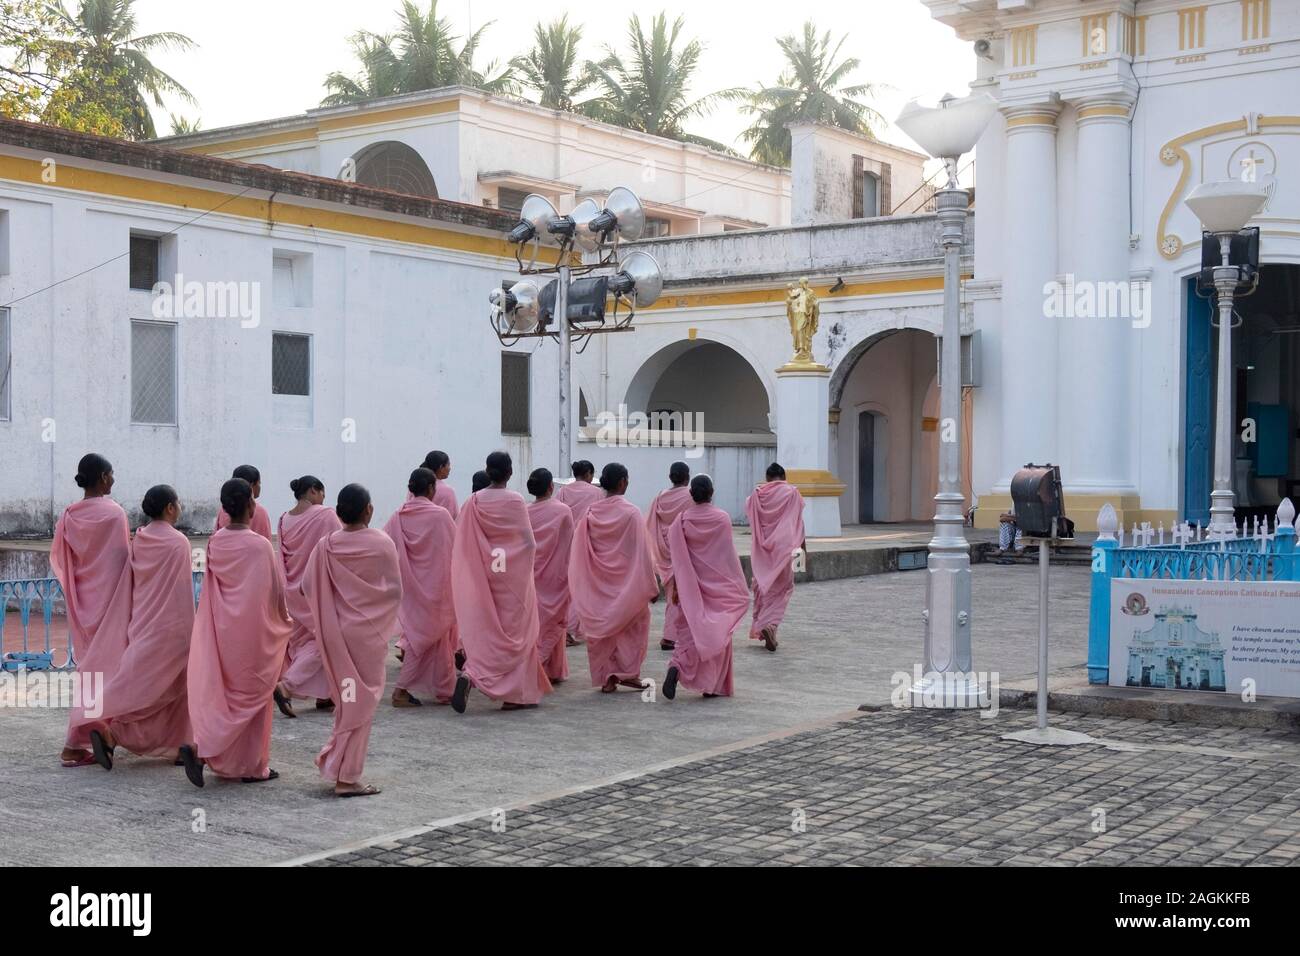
949	676
1224	208
947	131
566	360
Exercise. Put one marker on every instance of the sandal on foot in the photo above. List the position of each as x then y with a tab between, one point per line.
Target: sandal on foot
270	775
667	645
103	753
769	638
193	765
670	683
461	692
366	791
283	703
610	686
509	706
324	703
570	640
85	760
407	700
460	660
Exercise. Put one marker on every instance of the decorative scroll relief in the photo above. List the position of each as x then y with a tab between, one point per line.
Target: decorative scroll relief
1254	148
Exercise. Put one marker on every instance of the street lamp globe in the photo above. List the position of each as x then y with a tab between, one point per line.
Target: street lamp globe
949	129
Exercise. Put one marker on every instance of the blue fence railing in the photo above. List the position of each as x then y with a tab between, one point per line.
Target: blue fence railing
36	601
1259	558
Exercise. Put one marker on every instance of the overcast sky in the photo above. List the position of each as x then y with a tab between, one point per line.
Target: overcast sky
260	59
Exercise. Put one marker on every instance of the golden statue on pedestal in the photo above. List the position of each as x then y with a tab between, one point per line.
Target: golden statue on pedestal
803	311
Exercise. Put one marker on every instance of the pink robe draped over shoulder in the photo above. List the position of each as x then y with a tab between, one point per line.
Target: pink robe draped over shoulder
710	586
425	534
261	522
552	524
775	512
668	504
92	544
143	650
240	635
612	579
579	496
304	674
352	588
496	598
445	495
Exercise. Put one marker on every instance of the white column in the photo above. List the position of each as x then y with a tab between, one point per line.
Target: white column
1029	340
803	445
1095	357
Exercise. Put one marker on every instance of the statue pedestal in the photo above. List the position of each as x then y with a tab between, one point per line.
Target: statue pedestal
803	444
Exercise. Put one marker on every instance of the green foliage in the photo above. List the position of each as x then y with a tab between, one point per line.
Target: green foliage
551	68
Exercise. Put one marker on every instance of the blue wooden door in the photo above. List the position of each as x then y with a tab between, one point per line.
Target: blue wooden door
1198	470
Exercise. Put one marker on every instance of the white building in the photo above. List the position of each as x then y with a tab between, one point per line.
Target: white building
1110	112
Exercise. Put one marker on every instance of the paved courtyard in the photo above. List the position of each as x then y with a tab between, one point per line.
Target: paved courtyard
911	788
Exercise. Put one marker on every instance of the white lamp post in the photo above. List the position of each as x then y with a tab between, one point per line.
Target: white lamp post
1224	208
946	132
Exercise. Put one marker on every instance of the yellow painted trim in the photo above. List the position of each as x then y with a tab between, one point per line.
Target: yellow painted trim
306	135
282	211
311	134
815	483
1033	119
389	116
1169	245
1082	510
777	294
1088	112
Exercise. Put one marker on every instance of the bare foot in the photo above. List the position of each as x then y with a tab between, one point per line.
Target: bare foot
72	757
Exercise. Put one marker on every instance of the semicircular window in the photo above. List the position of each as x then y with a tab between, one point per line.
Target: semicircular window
395	166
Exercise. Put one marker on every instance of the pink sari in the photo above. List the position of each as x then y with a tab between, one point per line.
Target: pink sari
710	585
496	599
144	649
261	522
304	674
240	635
352	588
92	545
424	535
579	496
552	524
668	504
775	512
612	579
445	495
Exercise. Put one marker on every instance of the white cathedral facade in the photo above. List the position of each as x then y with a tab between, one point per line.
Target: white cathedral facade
372	233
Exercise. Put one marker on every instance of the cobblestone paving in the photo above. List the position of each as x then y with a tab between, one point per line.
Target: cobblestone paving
913	788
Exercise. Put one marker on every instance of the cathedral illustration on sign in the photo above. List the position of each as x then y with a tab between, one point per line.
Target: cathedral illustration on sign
1176	654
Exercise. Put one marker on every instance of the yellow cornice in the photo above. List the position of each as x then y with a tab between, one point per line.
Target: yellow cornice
311	133
1174	151
776	294
283	210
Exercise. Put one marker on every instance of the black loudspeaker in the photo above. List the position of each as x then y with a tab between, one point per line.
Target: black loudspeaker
1243	252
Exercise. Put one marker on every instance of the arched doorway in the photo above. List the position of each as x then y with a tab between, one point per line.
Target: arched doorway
395	166
886	437
708	380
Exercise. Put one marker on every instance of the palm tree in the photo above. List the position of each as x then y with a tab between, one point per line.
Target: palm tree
648	91
183	125
551	67
105	47
419	55
809	90
380	73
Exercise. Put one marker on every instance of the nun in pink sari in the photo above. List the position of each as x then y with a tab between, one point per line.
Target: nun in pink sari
144	648
439	462
668	504
307	523
237	649
552	524
775	512
424	535
495	597
353	588
91	549
711	590
579	494
261	522
612	580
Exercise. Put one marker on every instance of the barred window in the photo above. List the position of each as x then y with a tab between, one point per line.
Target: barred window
144	262
656	227
153	373
6	364
290	364
515	394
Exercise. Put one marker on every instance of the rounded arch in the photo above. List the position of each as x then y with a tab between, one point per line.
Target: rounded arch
395	166
706	377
